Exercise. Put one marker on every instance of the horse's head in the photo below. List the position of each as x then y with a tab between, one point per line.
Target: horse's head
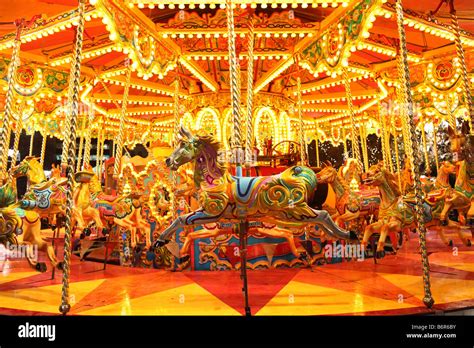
327	174
376	175
462	143
30	166
191	147
447	167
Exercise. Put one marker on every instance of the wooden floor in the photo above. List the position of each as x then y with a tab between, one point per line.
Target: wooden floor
393	286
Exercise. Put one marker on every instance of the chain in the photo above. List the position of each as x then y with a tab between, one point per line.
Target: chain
250	61
6	129
365	153
466	92
354	133
73	105
87	147
419	200
234	83
43	148
123	116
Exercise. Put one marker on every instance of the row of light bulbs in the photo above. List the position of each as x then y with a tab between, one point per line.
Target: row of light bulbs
133	102
242	34
224	56
242	4
338	99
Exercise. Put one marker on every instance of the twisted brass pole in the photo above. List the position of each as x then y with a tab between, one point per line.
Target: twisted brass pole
435	147
43	148
5	130
383	135
317	144
18	129
32	140
466	90
81	149
300	118
234	83
123	116
87	146
250	61
354	133
419	199
73	106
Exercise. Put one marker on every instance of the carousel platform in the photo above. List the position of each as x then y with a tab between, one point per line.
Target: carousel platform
393	286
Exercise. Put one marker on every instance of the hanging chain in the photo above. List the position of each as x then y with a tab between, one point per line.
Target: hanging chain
123	116
428	299
87	147
344	136
354	133
300	119
43	148
250	63
18	129
5	130
466	91
73	106
234	83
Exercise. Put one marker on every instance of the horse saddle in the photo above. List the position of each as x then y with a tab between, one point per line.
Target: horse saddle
47	184
435	195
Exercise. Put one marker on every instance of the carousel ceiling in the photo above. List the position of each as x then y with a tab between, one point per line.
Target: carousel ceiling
186	40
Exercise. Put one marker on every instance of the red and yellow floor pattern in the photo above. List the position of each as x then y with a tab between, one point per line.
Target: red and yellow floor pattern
392	286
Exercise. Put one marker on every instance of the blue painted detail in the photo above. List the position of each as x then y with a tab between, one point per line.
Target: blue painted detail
244	186
42	198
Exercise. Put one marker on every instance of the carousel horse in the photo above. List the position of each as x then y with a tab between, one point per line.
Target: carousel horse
350	171
284	199
350	205
47	197
124	210
462	146
22	228
396	212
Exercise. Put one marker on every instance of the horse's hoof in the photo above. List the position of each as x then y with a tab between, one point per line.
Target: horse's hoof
184	258
60	266
353	236
380	254
320	262
41	267
450	243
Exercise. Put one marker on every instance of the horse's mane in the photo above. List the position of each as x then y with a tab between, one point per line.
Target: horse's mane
212	146
392	180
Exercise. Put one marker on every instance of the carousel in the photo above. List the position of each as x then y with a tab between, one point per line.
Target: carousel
263	157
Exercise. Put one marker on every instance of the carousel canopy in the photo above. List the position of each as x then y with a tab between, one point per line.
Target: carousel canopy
332	47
